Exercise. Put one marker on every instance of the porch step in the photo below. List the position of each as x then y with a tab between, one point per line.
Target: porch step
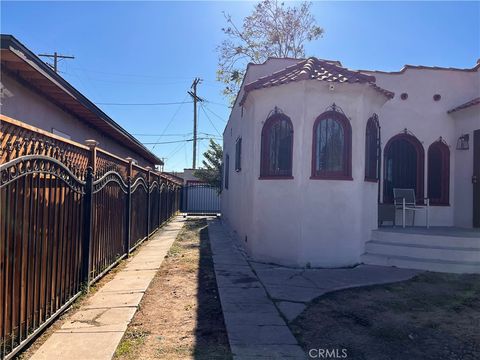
407	262
461	239
449	253
435	250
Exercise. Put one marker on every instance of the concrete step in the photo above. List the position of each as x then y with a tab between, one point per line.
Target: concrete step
407	262
431	239
420	251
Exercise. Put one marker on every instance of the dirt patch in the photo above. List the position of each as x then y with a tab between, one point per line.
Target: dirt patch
432	316
180	315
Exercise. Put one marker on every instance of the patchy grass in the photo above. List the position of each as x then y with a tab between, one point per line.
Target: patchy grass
132	339
180	316
432	316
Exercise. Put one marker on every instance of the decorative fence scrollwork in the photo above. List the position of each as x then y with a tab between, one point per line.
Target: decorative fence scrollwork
63	226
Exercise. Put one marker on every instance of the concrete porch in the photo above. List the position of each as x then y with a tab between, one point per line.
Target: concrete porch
442	249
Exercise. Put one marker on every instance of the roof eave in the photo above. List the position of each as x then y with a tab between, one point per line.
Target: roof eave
9	42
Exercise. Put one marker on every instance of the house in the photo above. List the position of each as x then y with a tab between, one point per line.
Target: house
311	148
31	92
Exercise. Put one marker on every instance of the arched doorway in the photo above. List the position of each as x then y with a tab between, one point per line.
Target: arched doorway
404	166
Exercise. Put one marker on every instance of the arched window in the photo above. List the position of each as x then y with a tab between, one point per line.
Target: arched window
332	147
404	166
372	153
277	147
438	173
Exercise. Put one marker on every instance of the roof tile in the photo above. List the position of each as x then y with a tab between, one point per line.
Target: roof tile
313	69
472	102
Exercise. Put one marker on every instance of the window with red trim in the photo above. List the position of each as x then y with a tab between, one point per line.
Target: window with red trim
372	141
277	147
332	144
439	173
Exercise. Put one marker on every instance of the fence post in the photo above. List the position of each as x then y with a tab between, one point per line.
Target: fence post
87	228
92	162
148	201
88	213
159	201
128	224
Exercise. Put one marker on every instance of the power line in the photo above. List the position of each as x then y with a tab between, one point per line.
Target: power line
185	134
210	120
147	104
179	141
172	118
56	58
216	103
215	114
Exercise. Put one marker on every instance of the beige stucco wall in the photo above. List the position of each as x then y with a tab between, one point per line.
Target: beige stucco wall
23	104
427	120
301	221
466	121
326	222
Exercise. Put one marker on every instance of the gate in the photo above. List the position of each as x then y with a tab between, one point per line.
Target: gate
200	199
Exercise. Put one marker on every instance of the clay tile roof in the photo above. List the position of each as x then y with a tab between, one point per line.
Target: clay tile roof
472	102
313	69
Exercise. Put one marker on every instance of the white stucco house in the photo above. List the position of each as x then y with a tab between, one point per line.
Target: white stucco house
311	149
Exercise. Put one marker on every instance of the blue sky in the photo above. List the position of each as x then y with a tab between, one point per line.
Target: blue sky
149	52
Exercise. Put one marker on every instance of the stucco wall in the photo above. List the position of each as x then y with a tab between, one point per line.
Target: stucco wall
301	221
23	104
466	121
326	222
427	120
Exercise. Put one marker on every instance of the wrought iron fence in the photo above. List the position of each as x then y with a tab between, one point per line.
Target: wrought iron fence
63	225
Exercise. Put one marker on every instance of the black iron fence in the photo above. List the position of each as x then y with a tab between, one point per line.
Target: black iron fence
65	223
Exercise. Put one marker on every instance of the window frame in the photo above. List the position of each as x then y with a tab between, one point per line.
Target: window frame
226	171
374	127
444	199
420	178
238	155
265	174
346	172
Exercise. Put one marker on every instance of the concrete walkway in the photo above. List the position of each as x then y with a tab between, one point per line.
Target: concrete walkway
254	326
95	330
257	299
292	288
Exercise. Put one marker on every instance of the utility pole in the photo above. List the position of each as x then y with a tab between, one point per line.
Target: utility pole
195	98
55	57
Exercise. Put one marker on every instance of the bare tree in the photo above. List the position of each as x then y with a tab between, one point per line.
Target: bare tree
272	30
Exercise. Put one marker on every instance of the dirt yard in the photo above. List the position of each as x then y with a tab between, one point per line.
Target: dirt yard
432	316
180	316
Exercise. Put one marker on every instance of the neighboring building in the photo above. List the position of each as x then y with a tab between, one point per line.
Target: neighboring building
189	178
31	92
302	170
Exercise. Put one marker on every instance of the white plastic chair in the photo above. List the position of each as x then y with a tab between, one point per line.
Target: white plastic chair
404	199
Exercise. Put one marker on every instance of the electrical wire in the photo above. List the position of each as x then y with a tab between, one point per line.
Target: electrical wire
213	113
171	120
145	104
210	120
178	141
